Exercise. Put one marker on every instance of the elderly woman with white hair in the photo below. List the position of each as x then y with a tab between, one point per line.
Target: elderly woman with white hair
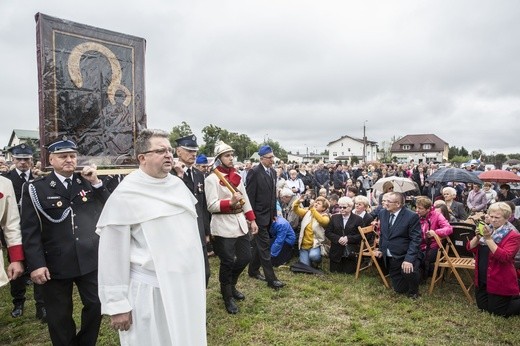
363	209
455	208
343	233
495	246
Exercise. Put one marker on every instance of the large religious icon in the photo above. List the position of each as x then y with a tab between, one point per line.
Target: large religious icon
91	88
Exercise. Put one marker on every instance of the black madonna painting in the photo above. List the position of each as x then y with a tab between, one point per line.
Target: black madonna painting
91	89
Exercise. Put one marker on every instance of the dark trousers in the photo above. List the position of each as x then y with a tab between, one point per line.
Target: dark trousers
206	263
499	305
234	255
283	257
261	245
345	266
18	290
58	302
428	263
404	283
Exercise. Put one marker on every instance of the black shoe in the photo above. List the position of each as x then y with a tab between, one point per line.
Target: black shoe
276	284
258	276
237	294
17	311
41	314
231	306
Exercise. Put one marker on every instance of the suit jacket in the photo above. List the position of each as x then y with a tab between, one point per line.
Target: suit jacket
197	188
17	182
335	230
367	219
68	248
261	190
458	211
403	238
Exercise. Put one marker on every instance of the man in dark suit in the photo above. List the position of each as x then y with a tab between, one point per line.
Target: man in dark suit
261	190
194	179
59	216
342	231
23	161
399	244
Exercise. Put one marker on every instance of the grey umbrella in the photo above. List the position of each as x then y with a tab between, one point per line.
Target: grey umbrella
512	162
459	175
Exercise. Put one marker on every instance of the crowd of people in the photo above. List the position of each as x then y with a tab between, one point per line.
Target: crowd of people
137	247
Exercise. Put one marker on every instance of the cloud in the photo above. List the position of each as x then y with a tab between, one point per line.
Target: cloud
303	73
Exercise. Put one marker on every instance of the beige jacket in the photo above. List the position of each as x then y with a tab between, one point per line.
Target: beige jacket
227	225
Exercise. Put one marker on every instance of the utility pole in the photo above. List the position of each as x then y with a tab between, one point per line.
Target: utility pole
364	142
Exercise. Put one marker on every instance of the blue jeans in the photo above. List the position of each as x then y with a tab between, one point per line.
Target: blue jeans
314	255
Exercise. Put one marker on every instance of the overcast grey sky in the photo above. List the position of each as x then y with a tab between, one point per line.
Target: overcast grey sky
303	73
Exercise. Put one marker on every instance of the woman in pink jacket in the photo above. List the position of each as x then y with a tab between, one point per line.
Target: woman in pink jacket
432	221
495	277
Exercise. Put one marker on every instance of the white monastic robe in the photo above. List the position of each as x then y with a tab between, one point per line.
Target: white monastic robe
151	261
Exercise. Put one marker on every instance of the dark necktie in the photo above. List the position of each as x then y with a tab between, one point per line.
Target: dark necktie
190	179
23	176
391	222
69	184
268	171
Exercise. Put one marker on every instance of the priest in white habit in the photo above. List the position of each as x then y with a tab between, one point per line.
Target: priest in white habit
151	266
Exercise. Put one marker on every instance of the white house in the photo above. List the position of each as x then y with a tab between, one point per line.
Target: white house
420	148
305	158
346	147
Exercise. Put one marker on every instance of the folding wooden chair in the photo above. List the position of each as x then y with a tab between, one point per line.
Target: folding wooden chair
366	250
453	264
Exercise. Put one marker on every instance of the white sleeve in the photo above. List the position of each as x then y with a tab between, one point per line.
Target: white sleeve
114	269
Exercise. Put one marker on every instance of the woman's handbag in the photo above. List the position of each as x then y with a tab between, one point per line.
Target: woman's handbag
350	252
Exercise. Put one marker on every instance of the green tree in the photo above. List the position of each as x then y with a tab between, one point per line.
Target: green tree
500	159
514	156
452	152
475	154
243	145
460	159
463	152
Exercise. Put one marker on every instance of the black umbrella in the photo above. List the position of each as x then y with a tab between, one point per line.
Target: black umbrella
300	267
459	175
512	162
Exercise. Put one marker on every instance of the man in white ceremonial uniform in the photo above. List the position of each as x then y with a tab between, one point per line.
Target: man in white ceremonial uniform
151	266
10	226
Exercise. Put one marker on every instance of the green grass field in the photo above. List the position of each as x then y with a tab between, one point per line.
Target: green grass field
316	310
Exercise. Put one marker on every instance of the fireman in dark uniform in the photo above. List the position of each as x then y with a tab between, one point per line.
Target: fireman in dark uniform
23	161
194	179
59	216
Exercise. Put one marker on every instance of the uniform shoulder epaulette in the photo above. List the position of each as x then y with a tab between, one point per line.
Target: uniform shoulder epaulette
36	179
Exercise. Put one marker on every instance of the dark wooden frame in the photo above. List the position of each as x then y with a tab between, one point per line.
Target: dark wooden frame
104	113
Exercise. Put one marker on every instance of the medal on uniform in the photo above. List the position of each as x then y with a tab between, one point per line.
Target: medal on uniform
84	195
59	204
52	183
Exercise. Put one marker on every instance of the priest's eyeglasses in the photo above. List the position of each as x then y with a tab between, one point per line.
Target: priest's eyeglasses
161	151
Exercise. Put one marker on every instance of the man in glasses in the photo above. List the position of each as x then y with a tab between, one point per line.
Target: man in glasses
261	190
399	244
23	161
151	267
